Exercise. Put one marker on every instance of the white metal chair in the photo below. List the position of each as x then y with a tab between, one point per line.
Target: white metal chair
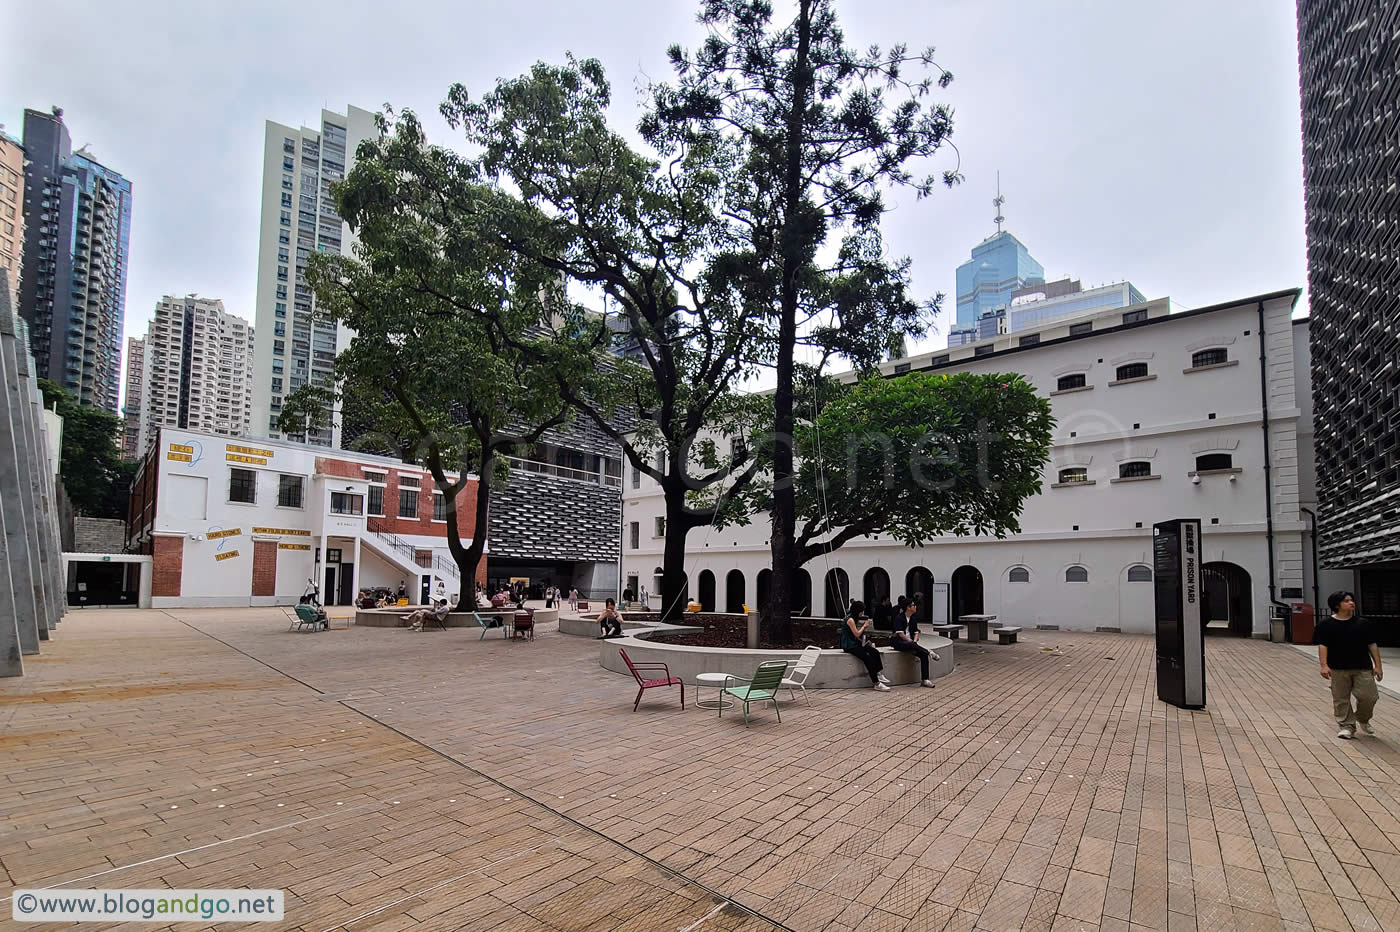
799	673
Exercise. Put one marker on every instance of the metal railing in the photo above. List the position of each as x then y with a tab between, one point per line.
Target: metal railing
566	472
410	552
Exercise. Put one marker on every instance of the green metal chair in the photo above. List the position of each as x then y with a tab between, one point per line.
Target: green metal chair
762	687
488	626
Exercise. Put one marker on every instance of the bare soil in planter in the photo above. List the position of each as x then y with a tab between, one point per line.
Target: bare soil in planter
733	632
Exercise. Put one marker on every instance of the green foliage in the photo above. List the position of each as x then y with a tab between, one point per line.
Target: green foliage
921	455
90	463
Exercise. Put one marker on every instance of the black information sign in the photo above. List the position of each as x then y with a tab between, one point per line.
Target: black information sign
1181	648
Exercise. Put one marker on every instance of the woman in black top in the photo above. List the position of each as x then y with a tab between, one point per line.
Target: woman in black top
855	641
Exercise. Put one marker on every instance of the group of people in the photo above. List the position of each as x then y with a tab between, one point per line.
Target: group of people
902	620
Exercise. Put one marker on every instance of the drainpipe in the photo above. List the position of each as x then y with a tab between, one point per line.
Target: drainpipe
1312	535
1268	476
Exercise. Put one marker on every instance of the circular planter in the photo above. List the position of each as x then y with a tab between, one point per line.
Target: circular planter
835	670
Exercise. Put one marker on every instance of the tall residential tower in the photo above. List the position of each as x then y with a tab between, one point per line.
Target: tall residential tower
197	369
135	393
73	284
11	211
298	218
1347	54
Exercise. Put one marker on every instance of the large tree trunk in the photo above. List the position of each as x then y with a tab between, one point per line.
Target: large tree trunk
467	558
784	495
673	579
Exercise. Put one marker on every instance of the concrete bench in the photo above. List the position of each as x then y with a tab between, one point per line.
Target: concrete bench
951	632
1006	634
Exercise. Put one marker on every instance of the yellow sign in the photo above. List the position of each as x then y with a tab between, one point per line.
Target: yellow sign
235	458
180	457
292	532
181	448
226	556
231	532
281	546
250	451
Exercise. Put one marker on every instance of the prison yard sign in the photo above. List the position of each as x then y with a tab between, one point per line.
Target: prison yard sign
1180	613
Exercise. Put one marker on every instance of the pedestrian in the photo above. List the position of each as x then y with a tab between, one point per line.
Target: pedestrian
883	615
573	600
548	596
610	621
906	640
1351	661
856	641
402	593
645	599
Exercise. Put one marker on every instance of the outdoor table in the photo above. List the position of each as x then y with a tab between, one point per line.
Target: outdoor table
976	625
715	680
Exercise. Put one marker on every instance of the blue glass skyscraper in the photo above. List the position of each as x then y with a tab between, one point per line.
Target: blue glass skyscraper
1000	264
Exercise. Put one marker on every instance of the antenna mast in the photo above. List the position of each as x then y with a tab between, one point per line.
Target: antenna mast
997	202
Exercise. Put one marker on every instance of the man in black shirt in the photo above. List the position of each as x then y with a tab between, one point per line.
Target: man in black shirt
1350	659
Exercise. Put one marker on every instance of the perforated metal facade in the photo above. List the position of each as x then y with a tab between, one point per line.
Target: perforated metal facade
1349	64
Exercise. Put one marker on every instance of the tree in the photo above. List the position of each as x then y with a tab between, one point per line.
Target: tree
440	387
90	463
918	456
821	141
568	194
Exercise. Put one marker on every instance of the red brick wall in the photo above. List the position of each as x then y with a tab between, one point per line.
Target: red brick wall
169	565
391	522
264	567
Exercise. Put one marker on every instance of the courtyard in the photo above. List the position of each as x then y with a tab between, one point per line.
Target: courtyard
390	780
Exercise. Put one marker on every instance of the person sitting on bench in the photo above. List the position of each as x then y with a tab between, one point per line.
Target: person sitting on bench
906	639
610	621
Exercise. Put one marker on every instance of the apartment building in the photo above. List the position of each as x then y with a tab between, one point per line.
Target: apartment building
196	370
1159	415
299	218
134	393
11	211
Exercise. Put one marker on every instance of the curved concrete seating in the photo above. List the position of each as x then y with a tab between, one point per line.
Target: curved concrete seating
393	617
835	670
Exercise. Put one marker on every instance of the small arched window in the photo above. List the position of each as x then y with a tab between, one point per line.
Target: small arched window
1208	461
1210	357
1140	573
1074	474
1018	574
1067	382
1134	470
1133	370
1076	574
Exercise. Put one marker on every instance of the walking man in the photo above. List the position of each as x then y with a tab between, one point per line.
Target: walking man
1346	648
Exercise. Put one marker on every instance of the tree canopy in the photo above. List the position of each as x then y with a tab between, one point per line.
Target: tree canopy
90	463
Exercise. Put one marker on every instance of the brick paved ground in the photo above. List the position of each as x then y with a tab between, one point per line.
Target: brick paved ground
389	779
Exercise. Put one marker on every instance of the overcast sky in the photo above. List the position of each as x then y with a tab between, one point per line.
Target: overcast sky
1150	141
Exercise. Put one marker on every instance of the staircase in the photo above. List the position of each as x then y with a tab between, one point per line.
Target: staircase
407	554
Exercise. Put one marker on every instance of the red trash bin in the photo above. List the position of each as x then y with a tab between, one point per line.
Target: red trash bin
1301	623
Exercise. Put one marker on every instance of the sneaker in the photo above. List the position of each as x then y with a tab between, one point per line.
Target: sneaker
1366	728
882	687
928	683
883	679
933	655
1346	731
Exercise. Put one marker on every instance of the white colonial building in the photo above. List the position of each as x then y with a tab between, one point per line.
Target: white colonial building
1190	415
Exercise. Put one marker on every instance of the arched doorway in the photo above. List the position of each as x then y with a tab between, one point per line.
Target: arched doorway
1228	608
763	586
838	592
966	592
876	587
707	591
734	591
918	584
802	593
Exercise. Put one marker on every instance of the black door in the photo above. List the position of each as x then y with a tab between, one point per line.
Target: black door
347	579
966	591
328	591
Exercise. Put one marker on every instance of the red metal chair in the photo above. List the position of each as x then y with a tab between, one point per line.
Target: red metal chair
645	684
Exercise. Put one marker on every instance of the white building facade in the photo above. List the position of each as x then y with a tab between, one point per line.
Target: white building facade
196	370
1159	416
299	218
240	522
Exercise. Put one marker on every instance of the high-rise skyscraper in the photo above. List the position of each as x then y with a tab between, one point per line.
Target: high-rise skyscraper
73	286
1000	264
11	211
298	218
196	369
132	400
1347	53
